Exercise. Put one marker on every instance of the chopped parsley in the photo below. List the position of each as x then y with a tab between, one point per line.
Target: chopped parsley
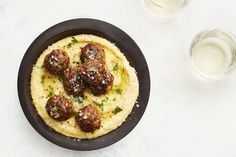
118	91
50	87
69	45
105	100
80	100
117	110
101	106
42	78
86	58
55	109
50	94
74	40
115	67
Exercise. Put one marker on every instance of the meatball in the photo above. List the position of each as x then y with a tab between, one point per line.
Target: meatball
93	72
57	61
104	86
88	118
59	108
73	82
92	51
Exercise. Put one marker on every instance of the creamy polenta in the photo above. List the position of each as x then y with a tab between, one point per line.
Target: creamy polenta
115	106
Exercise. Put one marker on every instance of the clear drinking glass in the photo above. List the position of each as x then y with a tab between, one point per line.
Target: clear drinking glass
213	53
164	7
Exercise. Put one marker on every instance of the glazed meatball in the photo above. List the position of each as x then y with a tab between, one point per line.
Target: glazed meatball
104	86
59	108
88	118
73	82
92	51
93	72
57	61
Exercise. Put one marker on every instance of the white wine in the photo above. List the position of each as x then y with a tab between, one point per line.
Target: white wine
164	7
212	54
168	3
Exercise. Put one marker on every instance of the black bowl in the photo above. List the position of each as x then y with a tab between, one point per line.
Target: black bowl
74	27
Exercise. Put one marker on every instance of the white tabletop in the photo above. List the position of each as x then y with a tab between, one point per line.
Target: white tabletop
185	117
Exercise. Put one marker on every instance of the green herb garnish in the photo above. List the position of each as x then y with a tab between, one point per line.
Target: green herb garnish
55	109
50	94
115	67
42	78
50	87
74	40
118	91
86	58
101	106
117	110
78	99
104	100
69	45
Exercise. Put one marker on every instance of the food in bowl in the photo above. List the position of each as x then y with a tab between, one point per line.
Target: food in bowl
83	86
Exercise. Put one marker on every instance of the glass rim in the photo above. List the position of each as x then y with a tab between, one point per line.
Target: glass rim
163	11
228	38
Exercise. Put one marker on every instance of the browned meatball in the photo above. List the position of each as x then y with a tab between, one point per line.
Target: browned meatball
73	81
57	61
92	51
104	86
93	71
59	108
88	118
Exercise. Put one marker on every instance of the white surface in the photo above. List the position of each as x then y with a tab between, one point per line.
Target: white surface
186	117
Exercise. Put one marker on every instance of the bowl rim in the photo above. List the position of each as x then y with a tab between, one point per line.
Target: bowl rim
50	36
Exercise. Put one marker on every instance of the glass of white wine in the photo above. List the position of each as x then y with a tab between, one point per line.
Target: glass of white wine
213	53
164	7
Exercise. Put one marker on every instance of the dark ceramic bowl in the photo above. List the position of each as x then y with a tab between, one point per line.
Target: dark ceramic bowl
74	27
